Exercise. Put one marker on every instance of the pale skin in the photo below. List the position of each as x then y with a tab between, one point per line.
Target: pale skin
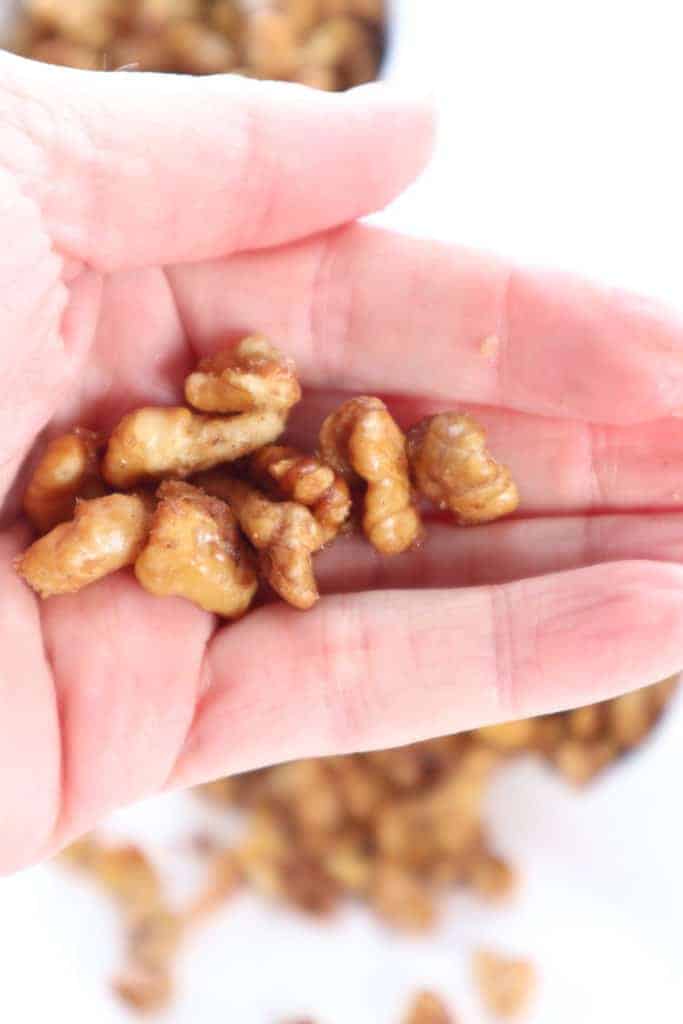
146	220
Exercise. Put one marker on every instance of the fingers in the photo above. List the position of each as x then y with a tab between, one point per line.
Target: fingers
134	169
30	755
378	670
127	687
368	310
500	552
559	465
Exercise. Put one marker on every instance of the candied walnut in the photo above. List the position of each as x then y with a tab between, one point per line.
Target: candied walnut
428	1008
197	49
270	44
144	989
506	986
254	375
66	54
345	44
317	77
224	876
155	14
453	469
68	470
509	735
157	442
362	437
285	533
401	898
88	23
491	877
585	723
305	479
629	718
579	762
194	550
128	876
105	535
226	17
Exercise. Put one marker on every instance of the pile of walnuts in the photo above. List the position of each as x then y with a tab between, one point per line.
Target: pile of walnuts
252	509
397	830
328	44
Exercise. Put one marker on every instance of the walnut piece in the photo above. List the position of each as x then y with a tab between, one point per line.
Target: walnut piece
304	478
428	1008
453	469
285	533
362	437
104	535
68	470
195	551
157	442
505	985
254	375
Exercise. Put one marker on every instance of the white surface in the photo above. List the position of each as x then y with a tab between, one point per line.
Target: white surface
559	143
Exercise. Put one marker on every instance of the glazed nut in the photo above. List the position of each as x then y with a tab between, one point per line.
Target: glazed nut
254	375
194	550
505	985
68	470
452	468
104	535
304	478
361	438
284	533
155	442
428	1008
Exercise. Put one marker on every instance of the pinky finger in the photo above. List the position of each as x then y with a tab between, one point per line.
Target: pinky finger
377	670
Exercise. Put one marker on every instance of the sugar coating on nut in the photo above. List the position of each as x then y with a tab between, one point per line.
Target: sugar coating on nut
362	437
452	468
285	533
505	985
254	375
195	551
68	470
104	535
428	1008
156	442
304	478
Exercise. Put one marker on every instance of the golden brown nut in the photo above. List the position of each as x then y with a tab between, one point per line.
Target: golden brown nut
270	44
428	1008
345	44
158	442
452	468
104	535
304	478
401	898
68	470
362	437
285	533
88	23
66	54
491	877
195	551
506	986
155	14
196	49
254	375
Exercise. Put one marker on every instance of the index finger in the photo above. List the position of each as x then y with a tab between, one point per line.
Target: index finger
136	169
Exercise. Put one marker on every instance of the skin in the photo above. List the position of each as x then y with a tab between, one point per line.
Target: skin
132	255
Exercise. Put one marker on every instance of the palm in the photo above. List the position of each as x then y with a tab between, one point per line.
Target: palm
111	694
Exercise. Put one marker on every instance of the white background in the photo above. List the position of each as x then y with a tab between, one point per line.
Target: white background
559	143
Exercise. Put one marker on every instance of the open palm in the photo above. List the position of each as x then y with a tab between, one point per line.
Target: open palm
148	219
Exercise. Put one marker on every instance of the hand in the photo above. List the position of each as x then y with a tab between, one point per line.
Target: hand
145	220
